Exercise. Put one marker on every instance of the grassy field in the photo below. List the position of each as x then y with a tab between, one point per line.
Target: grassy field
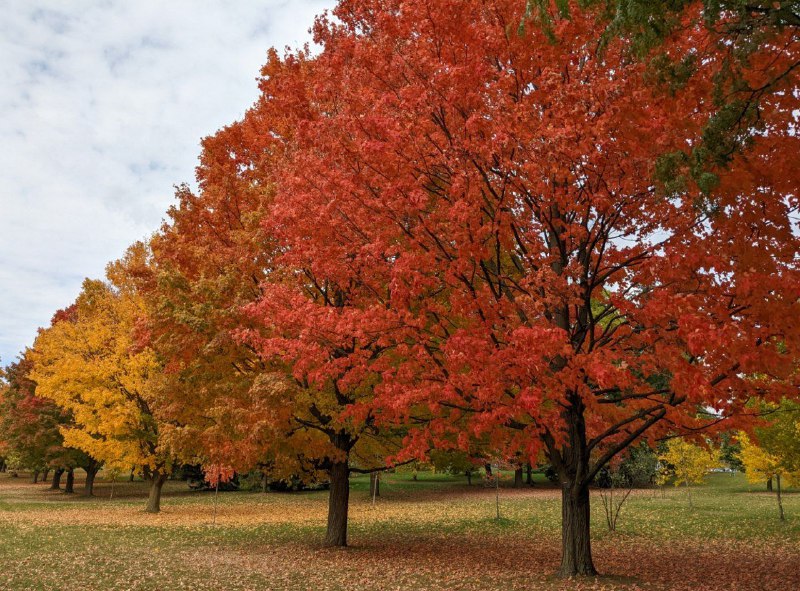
434	534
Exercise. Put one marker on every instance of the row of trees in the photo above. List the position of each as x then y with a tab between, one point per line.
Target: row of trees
475	228
31	432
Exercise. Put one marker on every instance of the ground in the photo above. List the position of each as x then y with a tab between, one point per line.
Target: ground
433	534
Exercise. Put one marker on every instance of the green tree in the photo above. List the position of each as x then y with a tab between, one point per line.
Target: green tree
454	462
637	468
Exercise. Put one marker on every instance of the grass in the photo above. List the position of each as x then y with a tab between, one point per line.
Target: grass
433	533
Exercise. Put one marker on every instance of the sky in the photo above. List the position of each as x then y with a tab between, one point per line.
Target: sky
102	108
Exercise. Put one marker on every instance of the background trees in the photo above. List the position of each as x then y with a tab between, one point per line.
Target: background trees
89	363
687	463
31	428
776	451
637	468
29	424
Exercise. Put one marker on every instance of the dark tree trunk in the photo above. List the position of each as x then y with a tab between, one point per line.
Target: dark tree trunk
45	474
574	473
35	476
338	502
576	557
488	468
374	484
780	501
529	475
264	482
56	484
469	477
518	478
131	478
769	485
157	481
91	472
70	486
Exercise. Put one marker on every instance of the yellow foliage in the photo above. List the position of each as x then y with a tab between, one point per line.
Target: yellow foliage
88	363
761	465
686	463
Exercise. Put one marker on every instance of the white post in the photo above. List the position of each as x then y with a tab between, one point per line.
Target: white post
216	491
496	473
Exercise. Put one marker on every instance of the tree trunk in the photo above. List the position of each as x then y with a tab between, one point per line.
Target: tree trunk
56	484
574	473
374	484
338	502
469	477
529	475
780	501
518	478
576	557
157	480
488	468
70	487
131	478
35	476
91	472
769	485
264	483
45	474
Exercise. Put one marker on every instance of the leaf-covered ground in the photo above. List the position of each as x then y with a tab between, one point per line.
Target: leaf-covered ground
436	534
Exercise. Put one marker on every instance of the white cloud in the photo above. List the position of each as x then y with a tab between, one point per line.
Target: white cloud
103	106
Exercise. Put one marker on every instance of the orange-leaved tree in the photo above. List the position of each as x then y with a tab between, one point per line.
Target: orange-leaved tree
232	402
195	275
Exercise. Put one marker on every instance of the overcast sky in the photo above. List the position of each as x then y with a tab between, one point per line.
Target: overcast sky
102	107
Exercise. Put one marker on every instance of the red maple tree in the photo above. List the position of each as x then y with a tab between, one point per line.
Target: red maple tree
476	231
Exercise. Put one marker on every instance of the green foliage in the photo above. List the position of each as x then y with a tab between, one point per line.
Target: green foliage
550	473
670	74
638	468
729	452
453	462
647	23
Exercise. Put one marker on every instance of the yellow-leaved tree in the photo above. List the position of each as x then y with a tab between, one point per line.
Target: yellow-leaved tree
90	363
686	463
776	454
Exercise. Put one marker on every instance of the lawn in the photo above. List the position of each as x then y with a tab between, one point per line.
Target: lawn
436	533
